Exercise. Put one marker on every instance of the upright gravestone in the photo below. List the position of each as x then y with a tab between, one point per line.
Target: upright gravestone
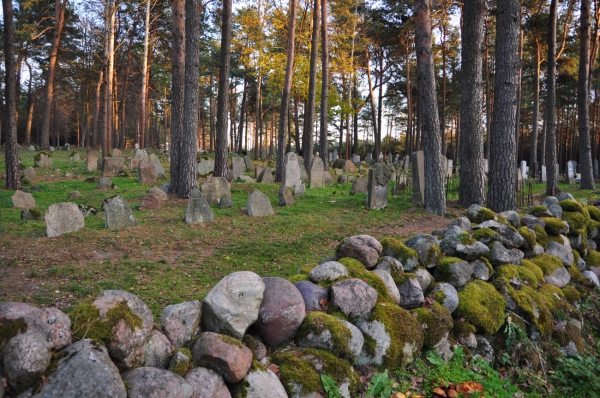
248	162
141	154
524	169
198	209
160	172
238	166
450	165
266	176
356	159
118	214
146	172
335	154
406	163
571	172
316	178
285	196
74	158
418	177
259	169
300	189
42	160
112	166
116	153
544	174
378	186
62	218
369	158
258	204
349	167
303	172
205	167
291	170
214	188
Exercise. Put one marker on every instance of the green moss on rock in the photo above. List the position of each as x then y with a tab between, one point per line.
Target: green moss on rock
484	214
394	248
443	267
482	306
306	269
547	263
571	294
594	212
538	209
541	237
528	235
318	322
533	306
568	333
593	258
571	205
554	226
487	234
10	329
298	278
436	322
182	367
575	220
592	226
357	270
535	269
576	276
510	271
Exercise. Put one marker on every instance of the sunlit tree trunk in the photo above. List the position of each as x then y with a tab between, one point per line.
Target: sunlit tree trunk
309	118
177	89
550	111
13	181
583	95
144	94
324	84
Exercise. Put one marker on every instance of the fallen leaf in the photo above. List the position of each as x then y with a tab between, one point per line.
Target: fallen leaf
323	304
439	391
297	353
273	368
451	393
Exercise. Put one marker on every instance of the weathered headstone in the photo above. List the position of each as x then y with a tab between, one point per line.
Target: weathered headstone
135	163
303	173
214	188
248	162
291	170
118	214
359	185
285	196
369	158
29	172
316	178
112	166
544	174
266	176
117	153
570	169
238	167
259	169
141	154
146	173
356	159
105	183
349	167
42	160
450	165
62	218
205	166
74	158
151	202
378	186
335	154
300	190
198	209
22	200
258	204
418	176
160	172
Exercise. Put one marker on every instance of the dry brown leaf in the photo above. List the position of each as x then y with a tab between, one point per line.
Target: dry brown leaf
439	391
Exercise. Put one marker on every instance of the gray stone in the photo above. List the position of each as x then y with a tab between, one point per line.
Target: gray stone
378	186
74	195
451	231
560	277
262	383
232	305
281	312
463	223
266	176
327	179
147	173
411	293
42	160
74	158
316	178
338	163
510	237
224	355
328	271
427	248
179	362
29	172
303	172
22	200
291	171
300	190
591	276
285	196
424	278
540	211
214	188
512	217
343	179
181	322
207	383
158	350
555	210
205	167
238	167
159	193
141	154
118	214
314	296
27	215
318	335
492	224
259	169
112	166
147	382
484	349
259	204
354	297
84	369
563	252
31	148
453	246
363	248
376	331
456	273
530	221
392	289
105	183
500	255
450	300
62	218
390	264
247	179
481	270
198	210
160	172
359	185
418	177
26	357
564	196
248	163
226	202
550	200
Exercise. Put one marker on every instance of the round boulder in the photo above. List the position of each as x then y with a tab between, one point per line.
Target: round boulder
427	248
26	357
147	382
181	322
207	383
446	295
315	297
225	355
328	271
354	297
363	248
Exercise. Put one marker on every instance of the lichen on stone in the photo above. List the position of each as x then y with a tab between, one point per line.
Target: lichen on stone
511	271
482	306
484	214
486	233
318	322
594	212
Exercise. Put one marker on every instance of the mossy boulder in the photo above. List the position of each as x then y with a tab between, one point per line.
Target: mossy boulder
571	294
593	258
575	220
529	236
482	306
554	271
436	323
486	235
322	331
393	337
427	248
556	226
533	306
300	372
541	237
454	271
394	248
535	270
594	212
571	205
540	211
516	275
479	214
569	339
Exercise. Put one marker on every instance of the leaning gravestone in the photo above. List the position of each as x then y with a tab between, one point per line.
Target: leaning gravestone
160	172
316	179
112	166
291	170
285	196
42	160
248	162
259	204
238	166
146	173
266	176
118	214
214	188
62	218
378	186
22	200
198	209
418	176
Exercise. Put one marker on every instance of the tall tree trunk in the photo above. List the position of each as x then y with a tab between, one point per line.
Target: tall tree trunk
144	94
108	110
223	91
409	105
550	111
472	176
502	183
519	92
59	13
13	181
297	126
324	84
285	95
242	117
583	96
536	112
177	90
444	78
376	135
187	166
488	100
212	117
29	108
309	118
435	201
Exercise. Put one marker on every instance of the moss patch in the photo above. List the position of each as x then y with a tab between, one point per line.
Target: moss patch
592	226
484	214
510	271
547	263
594	212
443	268
575	220
541	237
486	234
535	269
554	226
394	248
538	209
576	276
317	322
533	306
593	258
86	321
10	329
567	333
357	270
528	235
436	322
395	270
183	366
571	294
571	205
482	306
298	278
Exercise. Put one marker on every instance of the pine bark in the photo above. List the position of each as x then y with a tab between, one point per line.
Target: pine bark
472	176
550	111
324	84
187	167
309	119
536	111
583	106
177	89
13	181
502	176
223	92
435	201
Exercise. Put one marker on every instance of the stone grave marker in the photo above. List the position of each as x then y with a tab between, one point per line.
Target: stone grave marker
285	196
316	178
349	167
450	165
42	160
205	166
214	188
356	159
378	186
198	209
544	174
248	162
22	200
359	185
135	163
303	172
117	153
118	214
258	204
300	190
141	154
369	158
259	169
418	176
238	166
112	166
291	170
105	183
74	158
160	172
266	176
151	202
62	218
524	169
29	172
146	173
596	168
335	154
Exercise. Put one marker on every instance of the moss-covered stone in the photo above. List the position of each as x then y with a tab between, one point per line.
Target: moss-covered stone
510	272
318	322
486	235
575	220
554	226
484	214
556	238
567	333
541	237
357	270
10	329
555	300
535	210
436	322
534	307
592	225
395	270
443	268
467	240
503	220
594	212
482	306
547	263
593	258
571	205
462	328
575	273
298	278
535	269
300	371
87	323
528	235
306	269
394	248
182	367
571	294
